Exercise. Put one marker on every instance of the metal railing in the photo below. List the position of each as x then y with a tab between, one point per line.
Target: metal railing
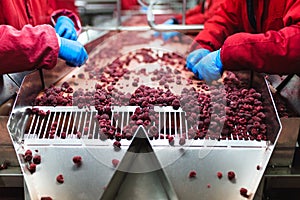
151	21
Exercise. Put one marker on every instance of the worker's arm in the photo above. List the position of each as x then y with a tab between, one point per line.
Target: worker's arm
191	12
27	49
201	12
275	52
36	47
225	22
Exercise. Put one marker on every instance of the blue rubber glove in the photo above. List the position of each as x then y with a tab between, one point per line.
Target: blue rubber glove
72	52
168	35
194	57
168	22
65	28
210	67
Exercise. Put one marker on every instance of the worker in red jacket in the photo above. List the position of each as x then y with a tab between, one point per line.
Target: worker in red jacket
129	4
196	15
35	33
249	34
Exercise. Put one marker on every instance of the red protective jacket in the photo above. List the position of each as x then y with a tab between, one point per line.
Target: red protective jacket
273	46
201	12
129	4
28	47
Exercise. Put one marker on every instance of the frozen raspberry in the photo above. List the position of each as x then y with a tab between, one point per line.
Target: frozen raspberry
46	198
63	135
60	178
81	76
36	159
243	192
115	162
219	175
139	122
28	152
118	136
65	85
135	84
28	157
192	174
77	160
176	104
117	145
78	134
32	168
258	167
231	175
171	140
69	90
42	113
182	141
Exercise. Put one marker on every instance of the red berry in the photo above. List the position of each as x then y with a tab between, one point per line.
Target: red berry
36	159
46	198
192	174
117	145
243	192
28	152
81	76
258	167
118	136
77	160
115	162
182	141
231	175
60	178
63	135
219	175
32	167
208	185
171	140
28	157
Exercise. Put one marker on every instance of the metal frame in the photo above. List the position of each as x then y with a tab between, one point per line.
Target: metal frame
180	28
151	22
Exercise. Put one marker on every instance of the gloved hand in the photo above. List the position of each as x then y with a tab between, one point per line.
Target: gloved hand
72	52
167	35
210	67
194	57
64	27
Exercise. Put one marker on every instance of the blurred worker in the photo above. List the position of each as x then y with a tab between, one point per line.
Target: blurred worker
28	41
196	15
249	34
129	4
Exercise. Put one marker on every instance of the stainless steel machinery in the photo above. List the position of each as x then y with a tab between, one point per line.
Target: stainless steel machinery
148	168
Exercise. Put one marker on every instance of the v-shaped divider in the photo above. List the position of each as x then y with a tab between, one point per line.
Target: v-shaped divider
139	174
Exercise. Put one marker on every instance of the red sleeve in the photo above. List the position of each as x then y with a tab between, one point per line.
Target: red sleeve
197	16
129	4
67	4
27	49
222	24
193	11
275	52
